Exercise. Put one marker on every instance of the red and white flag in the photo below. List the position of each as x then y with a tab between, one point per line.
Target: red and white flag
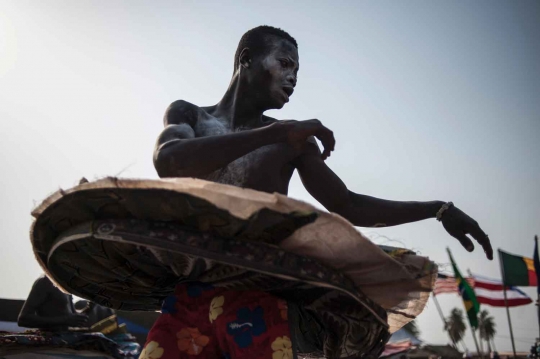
447	284
490	292
397	347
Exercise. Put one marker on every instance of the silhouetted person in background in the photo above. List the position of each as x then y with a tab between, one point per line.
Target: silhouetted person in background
49	309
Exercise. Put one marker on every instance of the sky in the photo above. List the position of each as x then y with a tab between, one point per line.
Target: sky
427	100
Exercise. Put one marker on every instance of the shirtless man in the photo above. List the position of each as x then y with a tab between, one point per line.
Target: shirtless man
233	142
49	309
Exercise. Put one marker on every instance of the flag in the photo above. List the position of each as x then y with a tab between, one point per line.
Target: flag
536	261
396	347
491	292
447	284
517	270
467	293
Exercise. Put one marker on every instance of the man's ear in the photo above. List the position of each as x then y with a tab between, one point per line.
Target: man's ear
245	57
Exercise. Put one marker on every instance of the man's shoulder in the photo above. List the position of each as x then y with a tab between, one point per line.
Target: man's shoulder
181	111
269	120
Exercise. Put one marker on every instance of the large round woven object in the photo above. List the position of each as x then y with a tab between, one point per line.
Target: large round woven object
127	243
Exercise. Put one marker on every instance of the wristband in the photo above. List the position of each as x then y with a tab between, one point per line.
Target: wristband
443	209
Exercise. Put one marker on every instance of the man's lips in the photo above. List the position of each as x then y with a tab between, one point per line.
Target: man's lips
288	90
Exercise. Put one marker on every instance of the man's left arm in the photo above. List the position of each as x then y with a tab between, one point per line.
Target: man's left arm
365	211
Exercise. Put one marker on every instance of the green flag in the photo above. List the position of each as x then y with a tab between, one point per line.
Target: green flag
517	270
467	293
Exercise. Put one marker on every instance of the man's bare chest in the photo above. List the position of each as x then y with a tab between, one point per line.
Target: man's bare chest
266	167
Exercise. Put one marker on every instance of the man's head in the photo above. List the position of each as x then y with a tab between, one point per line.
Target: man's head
269	57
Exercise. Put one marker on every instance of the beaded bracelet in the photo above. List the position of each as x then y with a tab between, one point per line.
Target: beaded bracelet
443	209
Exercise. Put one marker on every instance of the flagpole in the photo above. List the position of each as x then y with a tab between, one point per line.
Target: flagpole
537	284
476	342
506	305
538	311
444	321
463	286
480	337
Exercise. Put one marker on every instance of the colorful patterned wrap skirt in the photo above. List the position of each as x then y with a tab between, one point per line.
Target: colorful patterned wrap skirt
207	322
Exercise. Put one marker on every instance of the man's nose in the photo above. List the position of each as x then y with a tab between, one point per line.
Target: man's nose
292	79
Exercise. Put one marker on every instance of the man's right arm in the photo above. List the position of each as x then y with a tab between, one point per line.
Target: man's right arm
179	153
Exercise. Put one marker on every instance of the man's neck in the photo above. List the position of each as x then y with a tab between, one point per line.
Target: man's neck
237	105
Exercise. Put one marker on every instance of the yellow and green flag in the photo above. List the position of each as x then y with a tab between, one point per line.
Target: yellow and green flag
467	293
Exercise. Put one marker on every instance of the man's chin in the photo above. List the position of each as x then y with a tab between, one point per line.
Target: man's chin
276	103
280	103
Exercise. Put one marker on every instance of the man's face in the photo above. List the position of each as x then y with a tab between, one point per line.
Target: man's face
274	75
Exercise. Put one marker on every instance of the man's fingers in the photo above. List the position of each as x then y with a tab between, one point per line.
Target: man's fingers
325	154
463	239
458	224
327	144
331	140
482	238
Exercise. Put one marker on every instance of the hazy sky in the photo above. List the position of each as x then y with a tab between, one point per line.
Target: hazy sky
427	99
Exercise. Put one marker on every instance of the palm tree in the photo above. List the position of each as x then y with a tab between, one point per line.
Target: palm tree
412	328
455	326
486	327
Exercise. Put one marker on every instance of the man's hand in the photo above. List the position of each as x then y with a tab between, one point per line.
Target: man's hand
458	225
76	320
297	132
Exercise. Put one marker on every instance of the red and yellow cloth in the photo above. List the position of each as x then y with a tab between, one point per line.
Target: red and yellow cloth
206	322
